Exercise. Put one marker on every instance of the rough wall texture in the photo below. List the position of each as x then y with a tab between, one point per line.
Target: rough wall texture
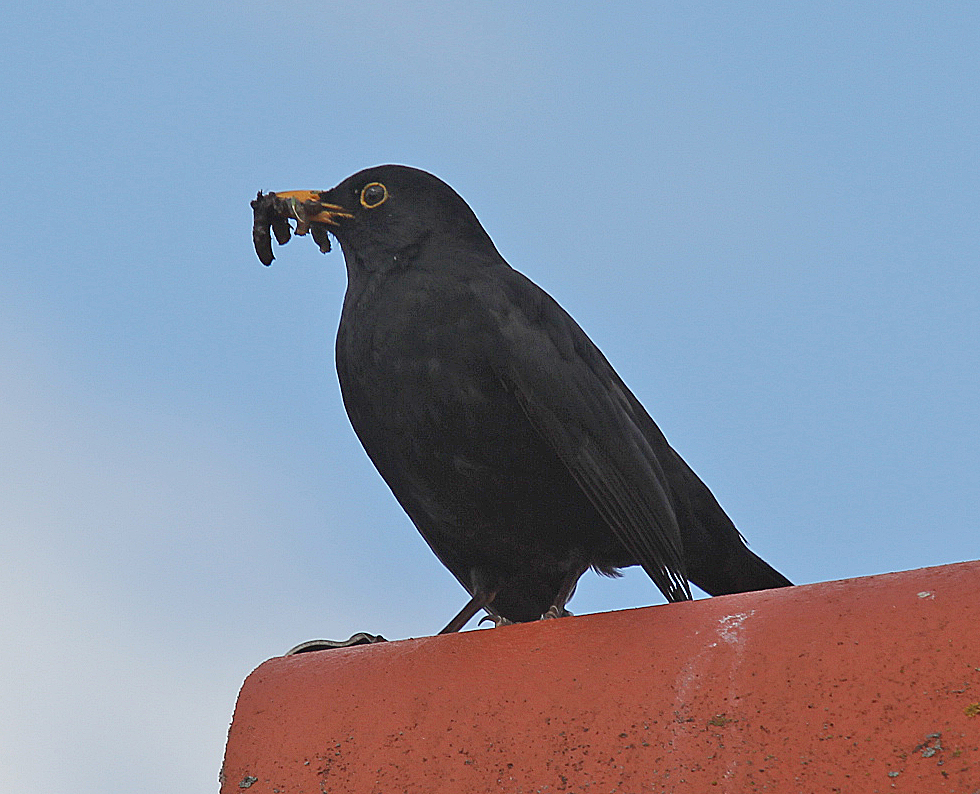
864	685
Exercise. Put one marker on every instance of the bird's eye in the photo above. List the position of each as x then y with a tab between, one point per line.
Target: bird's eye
374	194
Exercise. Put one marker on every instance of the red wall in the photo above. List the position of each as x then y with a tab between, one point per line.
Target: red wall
863	685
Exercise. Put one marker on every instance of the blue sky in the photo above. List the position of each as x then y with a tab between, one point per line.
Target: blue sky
766	215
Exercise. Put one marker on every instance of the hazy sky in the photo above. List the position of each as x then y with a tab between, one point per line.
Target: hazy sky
766	215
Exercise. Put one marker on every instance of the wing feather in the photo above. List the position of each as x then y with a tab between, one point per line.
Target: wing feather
574	399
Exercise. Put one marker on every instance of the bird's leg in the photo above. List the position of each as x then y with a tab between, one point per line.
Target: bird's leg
565	592
475	604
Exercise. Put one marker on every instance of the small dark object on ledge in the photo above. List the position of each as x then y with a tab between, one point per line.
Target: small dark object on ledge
361	638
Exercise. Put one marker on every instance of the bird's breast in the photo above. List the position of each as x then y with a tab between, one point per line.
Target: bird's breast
414	358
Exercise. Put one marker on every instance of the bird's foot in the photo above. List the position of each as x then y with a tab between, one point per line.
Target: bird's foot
555	611
497	621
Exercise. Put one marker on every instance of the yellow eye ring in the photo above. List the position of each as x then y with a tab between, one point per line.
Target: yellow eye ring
373	195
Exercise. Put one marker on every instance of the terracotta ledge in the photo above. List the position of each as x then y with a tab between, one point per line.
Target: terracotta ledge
863	685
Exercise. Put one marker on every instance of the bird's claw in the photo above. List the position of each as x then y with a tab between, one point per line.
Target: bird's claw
552	613
497	621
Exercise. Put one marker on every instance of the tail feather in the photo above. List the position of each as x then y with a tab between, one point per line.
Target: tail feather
738	571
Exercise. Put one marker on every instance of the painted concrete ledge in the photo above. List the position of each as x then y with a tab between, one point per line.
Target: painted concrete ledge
864	685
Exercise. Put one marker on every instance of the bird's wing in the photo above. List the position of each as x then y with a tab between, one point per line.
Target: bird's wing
575	400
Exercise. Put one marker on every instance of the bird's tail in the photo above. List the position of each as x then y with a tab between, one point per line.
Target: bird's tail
739	571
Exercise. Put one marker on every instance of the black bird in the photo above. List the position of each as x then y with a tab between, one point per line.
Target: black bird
510	441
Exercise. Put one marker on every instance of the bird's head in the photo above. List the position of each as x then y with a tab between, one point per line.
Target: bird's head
381	215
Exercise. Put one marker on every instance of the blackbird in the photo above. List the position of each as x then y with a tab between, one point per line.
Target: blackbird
515	448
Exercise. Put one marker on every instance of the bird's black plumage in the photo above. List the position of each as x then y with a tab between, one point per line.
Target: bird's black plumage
510	441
